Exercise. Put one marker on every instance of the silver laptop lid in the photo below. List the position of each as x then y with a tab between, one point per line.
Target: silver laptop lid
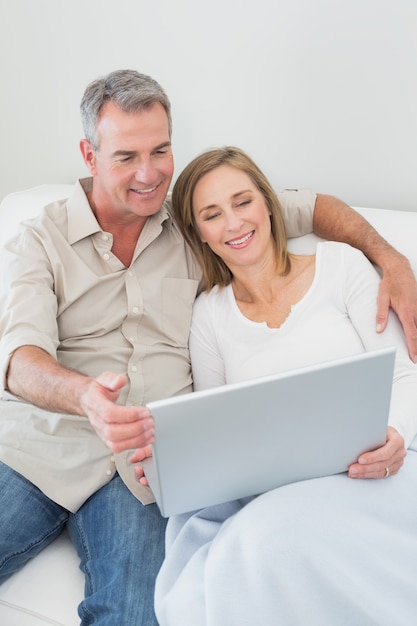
243	439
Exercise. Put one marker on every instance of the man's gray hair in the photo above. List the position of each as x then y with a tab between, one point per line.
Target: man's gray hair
129	90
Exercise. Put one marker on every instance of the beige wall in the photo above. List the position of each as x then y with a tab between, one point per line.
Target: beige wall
322	94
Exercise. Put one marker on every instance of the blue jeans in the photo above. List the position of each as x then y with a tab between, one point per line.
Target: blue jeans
119	541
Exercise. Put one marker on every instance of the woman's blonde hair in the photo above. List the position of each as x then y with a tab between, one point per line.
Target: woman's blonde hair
215	271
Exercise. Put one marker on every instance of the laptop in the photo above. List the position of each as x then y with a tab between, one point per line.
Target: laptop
246	438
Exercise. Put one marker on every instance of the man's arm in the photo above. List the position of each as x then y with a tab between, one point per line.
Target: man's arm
335	220
36	377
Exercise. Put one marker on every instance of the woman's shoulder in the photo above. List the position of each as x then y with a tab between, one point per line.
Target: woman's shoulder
329	250
333	247
214	294
342	261
339	250
212	299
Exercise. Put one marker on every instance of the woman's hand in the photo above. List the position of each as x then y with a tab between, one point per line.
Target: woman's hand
383	462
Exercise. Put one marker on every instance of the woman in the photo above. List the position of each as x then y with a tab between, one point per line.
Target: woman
328	551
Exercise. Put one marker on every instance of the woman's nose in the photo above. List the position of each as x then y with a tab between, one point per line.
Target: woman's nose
233	221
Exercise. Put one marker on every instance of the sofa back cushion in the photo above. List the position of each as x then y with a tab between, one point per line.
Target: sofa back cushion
21	205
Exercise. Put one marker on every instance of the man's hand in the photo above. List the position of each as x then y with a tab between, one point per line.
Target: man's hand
37	377
137	457
383	462
120	427
398	290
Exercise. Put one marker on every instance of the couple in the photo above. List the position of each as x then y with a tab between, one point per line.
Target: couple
326	551
111	285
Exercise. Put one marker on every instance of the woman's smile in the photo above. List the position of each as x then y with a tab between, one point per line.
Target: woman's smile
236	243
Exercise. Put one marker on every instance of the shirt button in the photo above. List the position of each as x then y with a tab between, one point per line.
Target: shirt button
135	309
105	237
112	458
109	472
106	256
134	368
130	273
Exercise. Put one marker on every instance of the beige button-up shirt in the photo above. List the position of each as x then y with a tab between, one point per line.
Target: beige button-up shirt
64	291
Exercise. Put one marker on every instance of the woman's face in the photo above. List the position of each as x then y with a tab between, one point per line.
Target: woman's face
232	216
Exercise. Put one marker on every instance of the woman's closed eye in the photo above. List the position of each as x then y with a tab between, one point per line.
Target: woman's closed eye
244	203
211	216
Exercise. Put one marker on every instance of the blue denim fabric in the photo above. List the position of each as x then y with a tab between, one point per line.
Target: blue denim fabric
119	541
28	521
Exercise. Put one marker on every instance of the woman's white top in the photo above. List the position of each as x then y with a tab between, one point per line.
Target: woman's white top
335	318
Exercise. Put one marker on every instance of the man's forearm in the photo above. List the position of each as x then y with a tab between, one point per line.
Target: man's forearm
335	220
36	377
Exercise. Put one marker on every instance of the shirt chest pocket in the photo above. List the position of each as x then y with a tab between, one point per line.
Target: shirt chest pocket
178	295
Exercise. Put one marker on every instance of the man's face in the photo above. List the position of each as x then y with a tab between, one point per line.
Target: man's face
133	165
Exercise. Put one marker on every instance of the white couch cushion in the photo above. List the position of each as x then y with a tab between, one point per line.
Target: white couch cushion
46	591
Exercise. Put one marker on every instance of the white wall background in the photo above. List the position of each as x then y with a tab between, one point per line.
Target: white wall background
321	93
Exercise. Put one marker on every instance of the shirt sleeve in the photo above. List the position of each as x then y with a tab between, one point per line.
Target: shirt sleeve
297	207
28	304
361	288
206	358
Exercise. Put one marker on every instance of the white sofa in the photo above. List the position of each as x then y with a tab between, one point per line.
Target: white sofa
48	589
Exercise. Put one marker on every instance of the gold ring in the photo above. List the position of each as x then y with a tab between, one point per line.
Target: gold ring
386	472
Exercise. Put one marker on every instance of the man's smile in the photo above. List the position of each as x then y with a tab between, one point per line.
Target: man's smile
145	191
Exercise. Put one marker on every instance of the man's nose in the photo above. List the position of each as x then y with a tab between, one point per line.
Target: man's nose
145	171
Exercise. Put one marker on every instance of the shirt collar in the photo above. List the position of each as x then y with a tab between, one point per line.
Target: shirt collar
83	223
81	219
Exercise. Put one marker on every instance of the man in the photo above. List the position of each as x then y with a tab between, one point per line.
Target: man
95	325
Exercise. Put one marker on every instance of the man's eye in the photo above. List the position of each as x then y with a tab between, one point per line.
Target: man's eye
125	159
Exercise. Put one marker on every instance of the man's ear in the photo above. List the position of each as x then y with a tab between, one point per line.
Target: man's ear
88	155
